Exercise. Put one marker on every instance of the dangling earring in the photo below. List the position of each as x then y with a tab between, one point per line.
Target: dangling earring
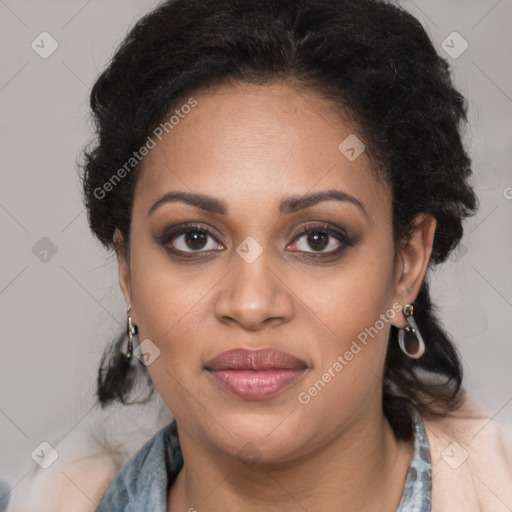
132	335
410	335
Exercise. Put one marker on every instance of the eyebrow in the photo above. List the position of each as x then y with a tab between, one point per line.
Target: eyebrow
288	205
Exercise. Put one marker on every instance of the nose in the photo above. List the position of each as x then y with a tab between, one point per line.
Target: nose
254	296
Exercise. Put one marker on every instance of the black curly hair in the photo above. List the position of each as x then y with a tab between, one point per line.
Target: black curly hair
374	62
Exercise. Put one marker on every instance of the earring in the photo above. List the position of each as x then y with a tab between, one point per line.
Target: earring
410	335
132	335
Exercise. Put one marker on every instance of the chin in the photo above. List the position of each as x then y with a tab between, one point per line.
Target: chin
258	437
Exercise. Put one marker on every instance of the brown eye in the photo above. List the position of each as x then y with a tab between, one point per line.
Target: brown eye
318	241
195	239
322	239
190	239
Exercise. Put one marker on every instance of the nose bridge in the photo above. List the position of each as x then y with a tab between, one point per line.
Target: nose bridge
253	293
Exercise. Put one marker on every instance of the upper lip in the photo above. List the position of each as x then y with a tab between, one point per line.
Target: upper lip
262	359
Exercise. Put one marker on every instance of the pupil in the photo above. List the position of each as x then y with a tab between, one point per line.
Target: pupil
314	238
195	239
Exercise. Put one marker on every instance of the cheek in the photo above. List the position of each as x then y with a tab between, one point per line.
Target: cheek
168	310
355	313
356	292
161	296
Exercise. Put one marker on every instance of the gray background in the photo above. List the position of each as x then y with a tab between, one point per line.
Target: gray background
57	315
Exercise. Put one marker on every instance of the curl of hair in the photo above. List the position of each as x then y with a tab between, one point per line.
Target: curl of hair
118	377
373	60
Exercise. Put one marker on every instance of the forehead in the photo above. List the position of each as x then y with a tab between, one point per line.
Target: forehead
253	144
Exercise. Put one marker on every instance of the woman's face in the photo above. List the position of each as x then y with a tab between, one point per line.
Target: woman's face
245	277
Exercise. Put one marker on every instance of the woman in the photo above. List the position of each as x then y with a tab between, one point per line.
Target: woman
277	179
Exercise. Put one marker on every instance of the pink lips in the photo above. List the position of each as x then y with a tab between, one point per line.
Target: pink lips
255	374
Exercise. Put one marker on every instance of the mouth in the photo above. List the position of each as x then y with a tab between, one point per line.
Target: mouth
255	374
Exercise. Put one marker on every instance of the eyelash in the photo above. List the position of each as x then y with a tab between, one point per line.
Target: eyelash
339	234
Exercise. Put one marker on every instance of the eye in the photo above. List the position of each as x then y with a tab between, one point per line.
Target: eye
322	239
189	239
183	241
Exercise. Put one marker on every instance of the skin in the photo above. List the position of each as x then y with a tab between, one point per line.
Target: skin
250	146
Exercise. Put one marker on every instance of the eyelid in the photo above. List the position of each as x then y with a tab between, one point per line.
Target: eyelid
338	233
323	226
176	231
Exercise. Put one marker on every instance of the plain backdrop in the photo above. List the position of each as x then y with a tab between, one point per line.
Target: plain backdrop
59	309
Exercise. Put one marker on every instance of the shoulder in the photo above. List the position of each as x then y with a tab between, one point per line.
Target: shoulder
471	457
75	486
89	458
143	477
75	481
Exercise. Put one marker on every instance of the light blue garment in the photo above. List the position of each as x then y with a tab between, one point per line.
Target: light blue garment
417	495
142	483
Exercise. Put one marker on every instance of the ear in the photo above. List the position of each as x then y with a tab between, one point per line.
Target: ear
412	262
123	266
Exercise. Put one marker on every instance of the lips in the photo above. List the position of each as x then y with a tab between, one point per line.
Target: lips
255	374
263	359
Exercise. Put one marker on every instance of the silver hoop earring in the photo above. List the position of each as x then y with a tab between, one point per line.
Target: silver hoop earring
132	335
409	337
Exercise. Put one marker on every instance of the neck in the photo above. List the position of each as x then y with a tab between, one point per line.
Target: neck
363	468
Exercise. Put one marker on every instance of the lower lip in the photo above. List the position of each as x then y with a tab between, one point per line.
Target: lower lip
256	384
